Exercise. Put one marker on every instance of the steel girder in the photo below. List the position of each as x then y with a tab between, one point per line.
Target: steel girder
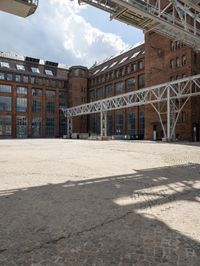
166	99
176	19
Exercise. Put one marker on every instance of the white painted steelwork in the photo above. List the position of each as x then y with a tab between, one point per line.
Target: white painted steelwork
176	19
167	99
22	8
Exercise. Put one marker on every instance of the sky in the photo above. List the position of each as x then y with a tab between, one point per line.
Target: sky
65	32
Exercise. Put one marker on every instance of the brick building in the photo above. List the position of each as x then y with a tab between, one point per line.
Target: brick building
32	91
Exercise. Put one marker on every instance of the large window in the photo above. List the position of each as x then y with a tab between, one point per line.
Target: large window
5	88
20	67
109	125
142	124
2	76
5	125
36	106
108	89
5	104
141	81
119	87
4	64
50	93
119	124
50	127
25	79
9	76
21	127
21	105
18	78
62	127
131	125
36	92
21	90
36	127
35	70
130	84
50	107
99	92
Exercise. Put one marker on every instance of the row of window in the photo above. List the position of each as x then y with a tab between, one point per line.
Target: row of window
178	62
119	87
118	73
22	105
119	121
24	68
31	80
35	91
172	78
174	45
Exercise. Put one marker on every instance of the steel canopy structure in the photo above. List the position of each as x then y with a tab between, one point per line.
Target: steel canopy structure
22	8
176	19
167	99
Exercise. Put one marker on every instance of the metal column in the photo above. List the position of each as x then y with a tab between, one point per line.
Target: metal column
103	122
69	126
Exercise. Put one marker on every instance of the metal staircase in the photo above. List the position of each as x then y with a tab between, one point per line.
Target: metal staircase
22	8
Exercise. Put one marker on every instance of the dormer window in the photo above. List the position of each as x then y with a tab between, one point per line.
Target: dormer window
5	64
20	67
48	72
35	70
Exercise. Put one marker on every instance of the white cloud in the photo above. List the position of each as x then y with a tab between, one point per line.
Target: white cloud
58	32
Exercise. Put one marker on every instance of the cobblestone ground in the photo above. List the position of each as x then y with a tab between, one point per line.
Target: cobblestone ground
106	203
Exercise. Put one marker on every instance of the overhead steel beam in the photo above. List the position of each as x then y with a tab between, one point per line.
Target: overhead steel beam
167	93
177	19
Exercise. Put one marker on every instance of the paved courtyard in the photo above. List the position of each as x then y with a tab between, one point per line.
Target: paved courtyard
76	202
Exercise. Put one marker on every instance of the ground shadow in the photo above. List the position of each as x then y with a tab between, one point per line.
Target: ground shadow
103	221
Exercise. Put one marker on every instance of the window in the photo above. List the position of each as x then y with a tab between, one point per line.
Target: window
35	70
108	89
62	127
119	87
21	127
18	78
2	76
5	104
128	69
184	60
36	127
131	124
141	65
21	90
5	88
53	83
178	62
91	96
32	80
142	124
172	63
36	106
50	107
50	93
141	81
119	124
20	67
48	72
25	79
50	127
5	64
130	84
172	46
182	117
134	67
109	125
5	125
21	105
99	92
9	76
36	92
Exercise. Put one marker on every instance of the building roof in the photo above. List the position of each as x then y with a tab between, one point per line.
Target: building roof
119	59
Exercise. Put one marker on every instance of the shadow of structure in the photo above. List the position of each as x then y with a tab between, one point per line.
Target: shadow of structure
136	219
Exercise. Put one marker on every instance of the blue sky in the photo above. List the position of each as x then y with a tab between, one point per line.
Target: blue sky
62	31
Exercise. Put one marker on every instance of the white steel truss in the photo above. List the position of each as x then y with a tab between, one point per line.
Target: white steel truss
177	19
167	99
